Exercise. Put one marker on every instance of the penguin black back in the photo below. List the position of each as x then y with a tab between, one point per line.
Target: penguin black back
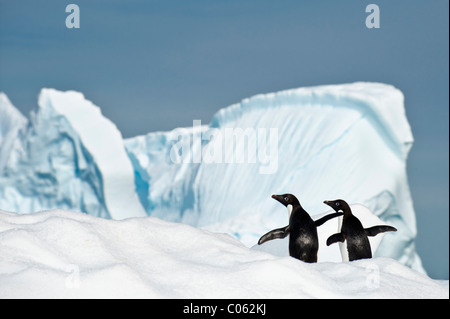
303	239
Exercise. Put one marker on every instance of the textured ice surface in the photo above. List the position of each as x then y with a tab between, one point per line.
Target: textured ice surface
69	157
12	124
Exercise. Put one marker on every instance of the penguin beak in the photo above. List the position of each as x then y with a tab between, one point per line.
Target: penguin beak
329	203
278	198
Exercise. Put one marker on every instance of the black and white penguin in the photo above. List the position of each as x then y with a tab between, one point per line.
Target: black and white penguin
353	234
303	239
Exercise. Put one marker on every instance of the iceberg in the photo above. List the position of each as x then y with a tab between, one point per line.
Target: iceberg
68	156
12	124
347	141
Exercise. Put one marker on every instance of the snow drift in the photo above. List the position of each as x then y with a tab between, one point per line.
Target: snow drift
63	254
346	141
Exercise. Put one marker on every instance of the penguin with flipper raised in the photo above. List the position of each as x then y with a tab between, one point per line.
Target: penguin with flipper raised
353	234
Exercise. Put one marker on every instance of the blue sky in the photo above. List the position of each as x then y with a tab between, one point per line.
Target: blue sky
156	65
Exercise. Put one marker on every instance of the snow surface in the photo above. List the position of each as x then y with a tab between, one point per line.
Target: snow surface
348	141
64	254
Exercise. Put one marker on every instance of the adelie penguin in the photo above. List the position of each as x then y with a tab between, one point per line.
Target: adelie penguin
353	234
302	230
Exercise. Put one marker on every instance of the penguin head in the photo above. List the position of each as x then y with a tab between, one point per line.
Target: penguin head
286	199
290	201
338	205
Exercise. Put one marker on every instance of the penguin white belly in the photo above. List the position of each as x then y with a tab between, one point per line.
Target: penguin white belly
342	246
344	251
289	209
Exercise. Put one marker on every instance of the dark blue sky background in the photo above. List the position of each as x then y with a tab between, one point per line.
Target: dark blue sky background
157	65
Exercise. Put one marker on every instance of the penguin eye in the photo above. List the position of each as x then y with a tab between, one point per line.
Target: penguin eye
337	204
286	198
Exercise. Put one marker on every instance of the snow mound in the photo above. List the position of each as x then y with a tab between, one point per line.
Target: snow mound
64	254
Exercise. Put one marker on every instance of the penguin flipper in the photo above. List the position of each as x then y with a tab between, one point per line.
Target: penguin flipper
322	220
335	238
278	233
375	230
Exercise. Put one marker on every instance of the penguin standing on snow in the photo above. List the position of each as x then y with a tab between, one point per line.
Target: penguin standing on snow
303	239
353	234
